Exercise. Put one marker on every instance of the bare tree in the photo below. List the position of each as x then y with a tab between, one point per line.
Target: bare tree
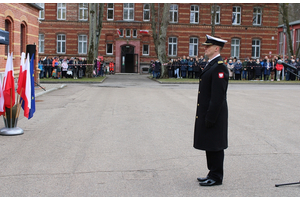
160	36
95	27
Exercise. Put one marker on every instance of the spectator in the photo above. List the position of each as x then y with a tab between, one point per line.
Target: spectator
267	69
47	67
75	69
176	66
64	66
238	70
230	67
273	69
184	64
170	68
244	70
40	65
157	68
190	67
257	69
279	68
197	68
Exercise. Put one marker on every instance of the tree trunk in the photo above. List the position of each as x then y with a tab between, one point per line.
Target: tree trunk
95	27
154	26
285	18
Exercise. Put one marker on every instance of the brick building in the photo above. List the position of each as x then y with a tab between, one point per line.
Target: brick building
251	31
21	21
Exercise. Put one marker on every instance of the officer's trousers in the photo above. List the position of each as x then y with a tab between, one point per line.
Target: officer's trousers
215	160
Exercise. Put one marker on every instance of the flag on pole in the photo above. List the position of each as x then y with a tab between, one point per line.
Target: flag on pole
21	74
119	32
144	31
9	83
26	93
32	94
2	108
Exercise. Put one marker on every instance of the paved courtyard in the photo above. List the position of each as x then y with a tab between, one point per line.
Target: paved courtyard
131	136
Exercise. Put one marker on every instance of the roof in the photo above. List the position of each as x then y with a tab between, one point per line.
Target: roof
35	6
291	23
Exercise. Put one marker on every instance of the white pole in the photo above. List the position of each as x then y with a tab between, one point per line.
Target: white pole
282	73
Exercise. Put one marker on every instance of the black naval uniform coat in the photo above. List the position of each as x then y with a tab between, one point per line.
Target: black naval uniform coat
212	106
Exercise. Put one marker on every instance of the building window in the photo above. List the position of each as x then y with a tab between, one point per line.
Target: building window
193	49
172	46
235	47
121	32
217	14
173	13
110	11
255	48
61	43
8	27
145	49
128	12
83	11
41	43
256	16
128	33
194	18
41	12
297	39
109	49
82	44
134	33
146	12
61	11
23	38
236	15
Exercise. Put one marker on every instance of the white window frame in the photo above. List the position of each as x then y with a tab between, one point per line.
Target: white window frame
82	42
41	12
112	49
126	33
41	43
257	15
173	13
236	15
61	43
62	9
134	33
122	32
297	39
83	8
194	14
146	10
172	46
193	46
130	9
113	12
235	47
218	14
256	48
147	53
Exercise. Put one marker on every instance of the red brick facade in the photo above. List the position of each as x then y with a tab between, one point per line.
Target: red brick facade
263	35
21	20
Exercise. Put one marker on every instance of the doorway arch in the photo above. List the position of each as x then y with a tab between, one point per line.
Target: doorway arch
129	60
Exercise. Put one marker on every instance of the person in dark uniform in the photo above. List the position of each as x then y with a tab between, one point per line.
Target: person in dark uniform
211	123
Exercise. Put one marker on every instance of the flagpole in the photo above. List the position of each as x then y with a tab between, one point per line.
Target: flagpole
10	107
18	108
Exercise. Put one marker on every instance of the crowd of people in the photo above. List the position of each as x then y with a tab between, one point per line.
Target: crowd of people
58	67
266	69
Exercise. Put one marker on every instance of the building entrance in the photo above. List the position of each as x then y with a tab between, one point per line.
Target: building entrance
128	59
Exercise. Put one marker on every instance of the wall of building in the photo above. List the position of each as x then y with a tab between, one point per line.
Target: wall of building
17	14
183	30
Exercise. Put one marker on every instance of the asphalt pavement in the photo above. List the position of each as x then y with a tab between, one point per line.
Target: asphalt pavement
133	137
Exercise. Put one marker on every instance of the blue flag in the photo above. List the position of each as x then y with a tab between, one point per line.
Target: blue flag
32	110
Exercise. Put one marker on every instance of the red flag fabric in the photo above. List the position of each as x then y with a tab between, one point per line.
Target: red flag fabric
144	31
2	108
119	32
9	83
21	74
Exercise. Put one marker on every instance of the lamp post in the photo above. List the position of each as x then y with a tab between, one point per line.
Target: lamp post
284	31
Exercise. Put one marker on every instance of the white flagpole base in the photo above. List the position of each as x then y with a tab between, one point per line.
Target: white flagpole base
11	131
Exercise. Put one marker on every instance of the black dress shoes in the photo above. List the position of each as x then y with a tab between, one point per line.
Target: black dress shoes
210	182
202	179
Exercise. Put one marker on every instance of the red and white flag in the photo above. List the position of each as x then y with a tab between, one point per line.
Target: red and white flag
119	32
144	31
21	74
9	83
26	95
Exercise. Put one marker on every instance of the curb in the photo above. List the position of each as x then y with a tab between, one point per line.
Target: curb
86	82
50	90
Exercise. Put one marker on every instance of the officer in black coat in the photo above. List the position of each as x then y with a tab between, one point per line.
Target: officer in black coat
211	123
